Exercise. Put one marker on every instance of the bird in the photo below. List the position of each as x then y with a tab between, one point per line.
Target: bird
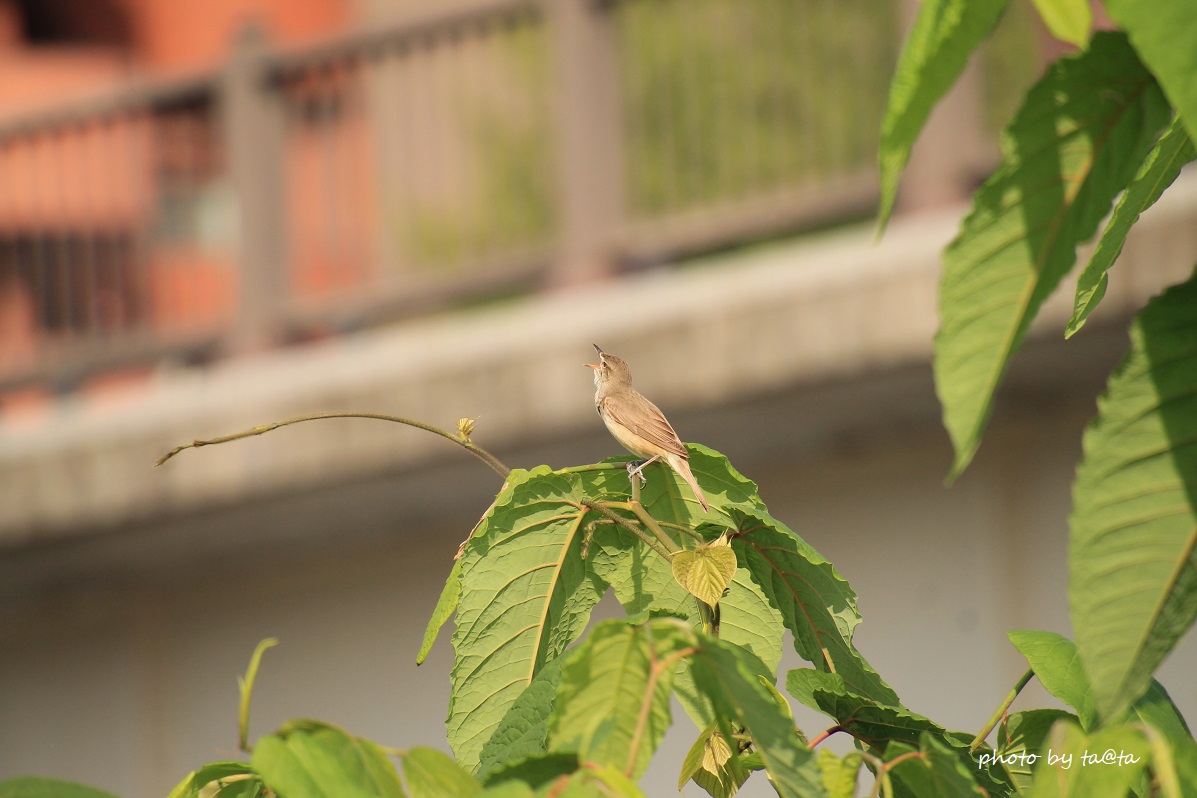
638	424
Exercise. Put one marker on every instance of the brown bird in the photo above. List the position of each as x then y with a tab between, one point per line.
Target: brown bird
638	424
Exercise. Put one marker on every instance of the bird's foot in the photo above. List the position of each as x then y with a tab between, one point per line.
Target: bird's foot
636	469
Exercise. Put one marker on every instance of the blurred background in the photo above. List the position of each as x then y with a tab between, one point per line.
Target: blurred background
220	214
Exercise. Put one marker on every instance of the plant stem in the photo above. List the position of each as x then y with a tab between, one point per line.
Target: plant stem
650	522
820	738
465	443
604	508
1001	711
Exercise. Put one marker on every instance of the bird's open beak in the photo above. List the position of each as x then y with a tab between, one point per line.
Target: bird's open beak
591	365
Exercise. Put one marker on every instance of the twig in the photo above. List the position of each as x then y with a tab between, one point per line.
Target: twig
1001	711
465	443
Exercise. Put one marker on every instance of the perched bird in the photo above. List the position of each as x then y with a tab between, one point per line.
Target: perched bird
638	424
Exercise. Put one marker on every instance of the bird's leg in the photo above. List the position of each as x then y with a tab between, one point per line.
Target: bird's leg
637	469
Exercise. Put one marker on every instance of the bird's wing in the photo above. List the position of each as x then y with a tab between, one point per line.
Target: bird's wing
646	420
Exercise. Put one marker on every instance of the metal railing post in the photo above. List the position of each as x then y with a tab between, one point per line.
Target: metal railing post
252	123
589	138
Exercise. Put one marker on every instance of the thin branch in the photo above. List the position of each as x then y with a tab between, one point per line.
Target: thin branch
465	443
604	508
650	522
1001	711
820	738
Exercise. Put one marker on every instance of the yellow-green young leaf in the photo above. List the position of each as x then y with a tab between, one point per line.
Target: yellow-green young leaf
1133	547
1105	765
433	774
1076	142
1163	164
705	572
1068	20
612	707
1164	32
945	34
710	764
839	775
309	759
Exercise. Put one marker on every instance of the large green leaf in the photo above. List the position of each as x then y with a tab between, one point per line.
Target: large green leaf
613	703
40	787
883	727
525	596
1076	142
523	732
938	772
817	605
1163	164
945	34
730	677
1069	772
527	589
309	759
1133	550
1057	665
1164	32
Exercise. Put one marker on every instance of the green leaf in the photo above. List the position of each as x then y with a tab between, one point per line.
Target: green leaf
1078	766
730	677
309	759
527	590
707	571
523	731
39	787
643	582
1057	665
883	727
434	774
597	782
1022	736
815	602
938	773
446	605
868	721
233	774
536	770
1068	20
1133	547
710	764
1156	709
1076	142
839	775
247	689
1163	164
525	595
945	34
1164	33
613	703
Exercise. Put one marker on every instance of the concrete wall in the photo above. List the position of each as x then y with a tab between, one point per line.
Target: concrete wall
130	599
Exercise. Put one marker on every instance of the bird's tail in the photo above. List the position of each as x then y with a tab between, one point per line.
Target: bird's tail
682	466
